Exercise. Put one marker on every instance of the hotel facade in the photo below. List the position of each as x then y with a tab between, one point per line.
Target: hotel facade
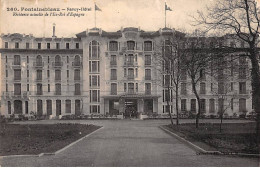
99	72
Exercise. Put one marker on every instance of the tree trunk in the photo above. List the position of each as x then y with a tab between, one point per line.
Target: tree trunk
168	104
198	101
255	83
177	105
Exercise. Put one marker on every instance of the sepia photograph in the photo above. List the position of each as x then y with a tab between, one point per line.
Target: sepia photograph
130	83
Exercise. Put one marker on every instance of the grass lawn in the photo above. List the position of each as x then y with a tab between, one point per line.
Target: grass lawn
235	137
18	139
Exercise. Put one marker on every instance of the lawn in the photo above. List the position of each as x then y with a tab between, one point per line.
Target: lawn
235	137
18	139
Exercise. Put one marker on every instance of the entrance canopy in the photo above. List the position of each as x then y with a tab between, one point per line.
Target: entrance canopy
131	96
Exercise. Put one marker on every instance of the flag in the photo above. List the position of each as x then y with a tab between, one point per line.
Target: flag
167	8
97	8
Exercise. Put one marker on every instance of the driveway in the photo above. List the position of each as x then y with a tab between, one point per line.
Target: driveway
128	143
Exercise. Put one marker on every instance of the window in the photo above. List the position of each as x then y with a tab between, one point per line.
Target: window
221	106
17	74
94	109
125	72
231	86
6	59
48	73
48	59
68	59
17	60
76	74
148	60
58	61
136	87
49	88
58	75
17	45
77	89
183	89
67	45
136	72
6	73
94	80
39	61
58	89
129	60
77	60
26	107
211	105
183	74
28	87
202	88
39	89
242	73
147	74
203	105
242	87
242	60
57	45
94	96
77	45
113	89
148	46
93	66
94	50
6	87
113	60
232	104
39	75
125	87
148	88
221	88
130	73
39	45
6	44
242	105
49	107
220	74
183	105
130	45
131	88
202	74
48	45
113	74
193	105
167	80
68	106
27	59
113	46
27	45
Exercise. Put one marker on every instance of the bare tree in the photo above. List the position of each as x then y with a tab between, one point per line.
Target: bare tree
240	17
195	60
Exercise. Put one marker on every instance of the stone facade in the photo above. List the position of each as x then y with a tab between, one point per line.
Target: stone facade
98	72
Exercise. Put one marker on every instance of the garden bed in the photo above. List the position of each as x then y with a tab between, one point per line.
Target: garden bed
234	138
18	139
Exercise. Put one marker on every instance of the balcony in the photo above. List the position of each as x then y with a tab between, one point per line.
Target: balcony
130	63
113	63
57	64
77	64
130	77
12	95
16	65
38	64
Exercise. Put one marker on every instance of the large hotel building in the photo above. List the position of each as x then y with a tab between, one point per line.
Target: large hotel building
100	72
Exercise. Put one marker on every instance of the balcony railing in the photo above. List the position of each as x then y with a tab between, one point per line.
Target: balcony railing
57	64
38	64
12	95
38	93
130	63
148	78
113	63
77	64
130	77
77	93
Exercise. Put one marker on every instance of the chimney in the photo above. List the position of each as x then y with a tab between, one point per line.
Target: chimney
53	30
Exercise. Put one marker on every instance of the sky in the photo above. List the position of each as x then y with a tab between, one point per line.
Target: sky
146	14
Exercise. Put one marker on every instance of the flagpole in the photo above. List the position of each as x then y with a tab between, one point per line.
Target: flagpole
95	15
165	14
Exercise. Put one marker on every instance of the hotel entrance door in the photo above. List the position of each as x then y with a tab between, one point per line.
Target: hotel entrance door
130	108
